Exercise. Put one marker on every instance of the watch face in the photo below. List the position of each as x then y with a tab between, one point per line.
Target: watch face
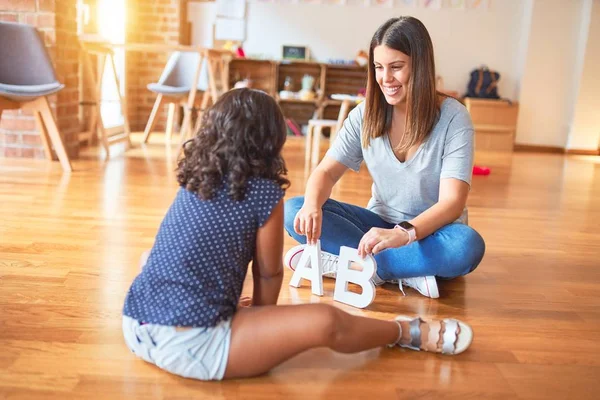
406	225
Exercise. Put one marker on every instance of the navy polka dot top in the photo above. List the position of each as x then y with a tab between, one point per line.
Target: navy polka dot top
196	269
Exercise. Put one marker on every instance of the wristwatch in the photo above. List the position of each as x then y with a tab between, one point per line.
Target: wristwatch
409	229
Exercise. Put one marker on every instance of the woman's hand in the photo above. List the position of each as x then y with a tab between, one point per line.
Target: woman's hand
378	239
308	222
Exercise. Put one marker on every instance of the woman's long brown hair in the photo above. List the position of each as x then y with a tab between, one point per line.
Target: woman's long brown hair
408	35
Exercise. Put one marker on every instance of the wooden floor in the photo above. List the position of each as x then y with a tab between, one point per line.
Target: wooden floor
69	247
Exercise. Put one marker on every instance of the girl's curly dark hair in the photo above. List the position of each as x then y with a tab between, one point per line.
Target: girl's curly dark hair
241	136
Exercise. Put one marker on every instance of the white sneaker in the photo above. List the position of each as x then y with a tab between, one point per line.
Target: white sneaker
426	285
328	260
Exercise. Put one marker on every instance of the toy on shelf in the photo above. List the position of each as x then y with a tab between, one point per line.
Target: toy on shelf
288	89
228	45
293	127
244	83
307	93
236	49
362	58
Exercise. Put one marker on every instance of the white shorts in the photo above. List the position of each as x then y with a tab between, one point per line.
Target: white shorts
199	353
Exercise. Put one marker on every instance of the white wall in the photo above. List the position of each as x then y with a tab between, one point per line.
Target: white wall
548	89
585	131
463	39
546	50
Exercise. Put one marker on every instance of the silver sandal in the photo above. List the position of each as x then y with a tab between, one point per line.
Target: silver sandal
453	340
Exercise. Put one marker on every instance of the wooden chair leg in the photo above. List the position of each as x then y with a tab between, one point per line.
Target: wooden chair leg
332	135
344	110
212	80
99	123
206	98
96	95
101	131
122	101
316	147
186	125
43	134
198	121
170	123
93	125
54	135
308	144
152	119
188	133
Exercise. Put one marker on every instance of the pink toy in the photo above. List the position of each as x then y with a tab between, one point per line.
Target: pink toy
478	170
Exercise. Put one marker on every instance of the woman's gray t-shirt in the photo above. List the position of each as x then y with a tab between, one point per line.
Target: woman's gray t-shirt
403	190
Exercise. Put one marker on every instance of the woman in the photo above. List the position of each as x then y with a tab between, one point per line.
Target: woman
418	147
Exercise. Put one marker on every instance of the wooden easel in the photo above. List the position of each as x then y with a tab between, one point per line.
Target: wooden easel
217	63
218	83
111	136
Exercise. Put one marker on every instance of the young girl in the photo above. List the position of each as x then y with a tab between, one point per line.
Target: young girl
418	147
182	312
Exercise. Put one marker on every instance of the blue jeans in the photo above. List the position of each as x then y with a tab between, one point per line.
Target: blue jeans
451	251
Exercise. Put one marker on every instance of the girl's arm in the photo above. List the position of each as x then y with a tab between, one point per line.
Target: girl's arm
267	267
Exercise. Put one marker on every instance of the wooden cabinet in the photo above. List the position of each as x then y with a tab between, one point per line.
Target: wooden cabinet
495	123
271	76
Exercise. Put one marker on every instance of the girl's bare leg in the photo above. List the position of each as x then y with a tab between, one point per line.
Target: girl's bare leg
264	337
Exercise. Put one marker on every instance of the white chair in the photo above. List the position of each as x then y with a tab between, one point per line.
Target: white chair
312	147
27	77
174	86
315	130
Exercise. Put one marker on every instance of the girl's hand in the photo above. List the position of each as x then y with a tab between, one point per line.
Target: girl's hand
378	239
245	302
308	222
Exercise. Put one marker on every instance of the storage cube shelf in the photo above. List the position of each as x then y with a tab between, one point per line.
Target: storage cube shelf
329	79
261	73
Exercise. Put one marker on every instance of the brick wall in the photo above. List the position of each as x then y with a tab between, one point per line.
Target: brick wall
67	70
149	21
56	20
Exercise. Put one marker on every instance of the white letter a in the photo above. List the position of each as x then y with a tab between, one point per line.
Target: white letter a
311	256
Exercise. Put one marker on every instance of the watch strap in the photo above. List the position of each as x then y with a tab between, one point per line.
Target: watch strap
412	233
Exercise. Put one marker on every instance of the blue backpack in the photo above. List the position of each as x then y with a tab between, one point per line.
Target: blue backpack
483	84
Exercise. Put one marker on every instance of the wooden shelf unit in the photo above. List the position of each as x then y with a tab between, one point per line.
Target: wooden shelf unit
296	71
261	73
329	79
